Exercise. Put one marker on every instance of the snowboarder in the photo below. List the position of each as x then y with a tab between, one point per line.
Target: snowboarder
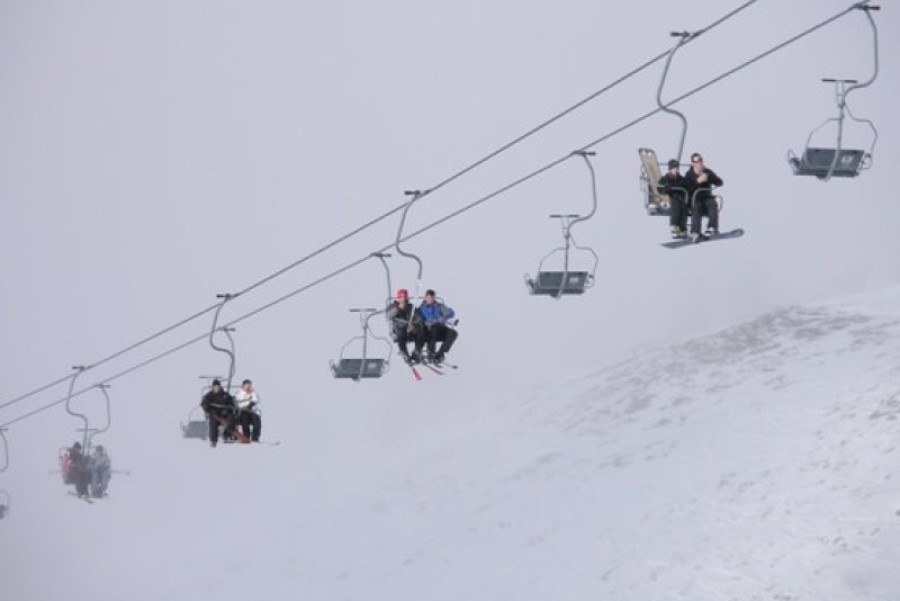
220	410
406	324
438	319
248	415
700	181
675	186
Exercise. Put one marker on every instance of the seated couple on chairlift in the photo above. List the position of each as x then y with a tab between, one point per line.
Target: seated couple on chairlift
696	184
425	326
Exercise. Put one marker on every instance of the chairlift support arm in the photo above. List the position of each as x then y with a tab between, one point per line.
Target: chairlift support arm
416	195
215	326
683	38
84	440
95	431
387	272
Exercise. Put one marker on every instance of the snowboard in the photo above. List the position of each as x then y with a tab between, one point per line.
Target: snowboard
736	233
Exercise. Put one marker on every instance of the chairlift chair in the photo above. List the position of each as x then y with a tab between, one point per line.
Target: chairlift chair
656	201
361	366
195	427
557	283
827	162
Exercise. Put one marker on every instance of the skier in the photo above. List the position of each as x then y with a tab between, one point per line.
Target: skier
220	410
700	181
438	319
674	185
248	416
101	471
406	324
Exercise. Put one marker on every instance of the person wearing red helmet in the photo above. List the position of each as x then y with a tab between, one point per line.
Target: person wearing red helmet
406	324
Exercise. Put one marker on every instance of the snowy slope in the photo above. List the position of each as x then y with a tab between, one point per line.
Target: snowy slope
756	463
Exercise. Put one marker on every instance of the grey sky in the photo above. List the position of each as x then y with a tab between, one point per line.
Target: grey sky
154	154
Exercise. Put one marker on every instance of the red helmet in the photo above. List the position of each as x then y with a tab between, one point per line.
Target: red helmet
402	293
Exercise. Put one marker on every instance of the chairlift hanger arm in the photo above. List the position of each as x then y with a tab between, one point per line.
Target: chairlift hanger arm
78	370
215	326
416	195
94	432
683	38
381	256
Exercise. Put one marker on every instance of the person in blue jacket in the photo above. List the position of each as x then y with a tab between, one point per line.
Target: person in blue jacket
440	321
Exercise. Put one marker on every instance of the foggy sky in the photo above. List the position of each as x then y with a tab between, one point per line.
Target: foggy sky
155	154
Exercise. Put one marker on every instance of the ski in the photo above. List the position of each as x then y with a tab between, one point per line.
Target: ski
433	368
83	498
415	372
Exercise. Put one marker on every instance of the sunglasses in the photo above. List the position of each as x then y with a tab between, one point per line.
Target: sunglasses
697	160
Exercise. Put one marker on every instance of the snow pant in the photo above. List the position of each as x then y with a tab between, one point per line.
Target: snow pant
404	337
82	479
217	418
678	211
248	420
704	204
440	333
99	482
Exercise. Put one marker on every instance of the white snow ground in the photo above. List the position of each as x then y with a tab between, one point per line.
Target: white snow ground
755	463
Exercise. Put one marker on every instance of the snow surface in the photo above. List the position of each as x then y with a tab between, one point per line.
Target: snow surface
754	463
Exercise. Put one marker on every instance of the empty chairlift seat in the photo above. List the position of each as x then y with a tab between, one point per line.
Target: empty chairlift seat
818	161
195	427
554	283
359	368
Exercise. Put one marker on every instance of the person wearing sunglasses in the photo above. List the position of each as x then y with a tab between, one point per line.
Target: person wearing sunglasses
700	181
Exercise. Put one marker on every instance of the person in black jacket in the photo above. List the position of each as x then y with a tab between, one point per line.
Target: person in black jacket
700	181
79	474
675	186
220	410
406	324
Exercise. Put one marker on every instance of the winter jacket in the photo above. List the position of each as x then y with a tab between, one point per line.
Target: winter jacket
436	313
704	188
674	186
246	400
217	403
402	317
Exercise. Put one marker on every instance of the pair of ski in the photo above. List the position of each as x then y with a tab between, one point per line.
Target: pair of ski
418	375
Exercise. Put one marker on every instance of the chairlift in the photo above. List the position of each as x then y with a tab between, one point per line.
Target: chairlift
827	162
362	366
556	283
